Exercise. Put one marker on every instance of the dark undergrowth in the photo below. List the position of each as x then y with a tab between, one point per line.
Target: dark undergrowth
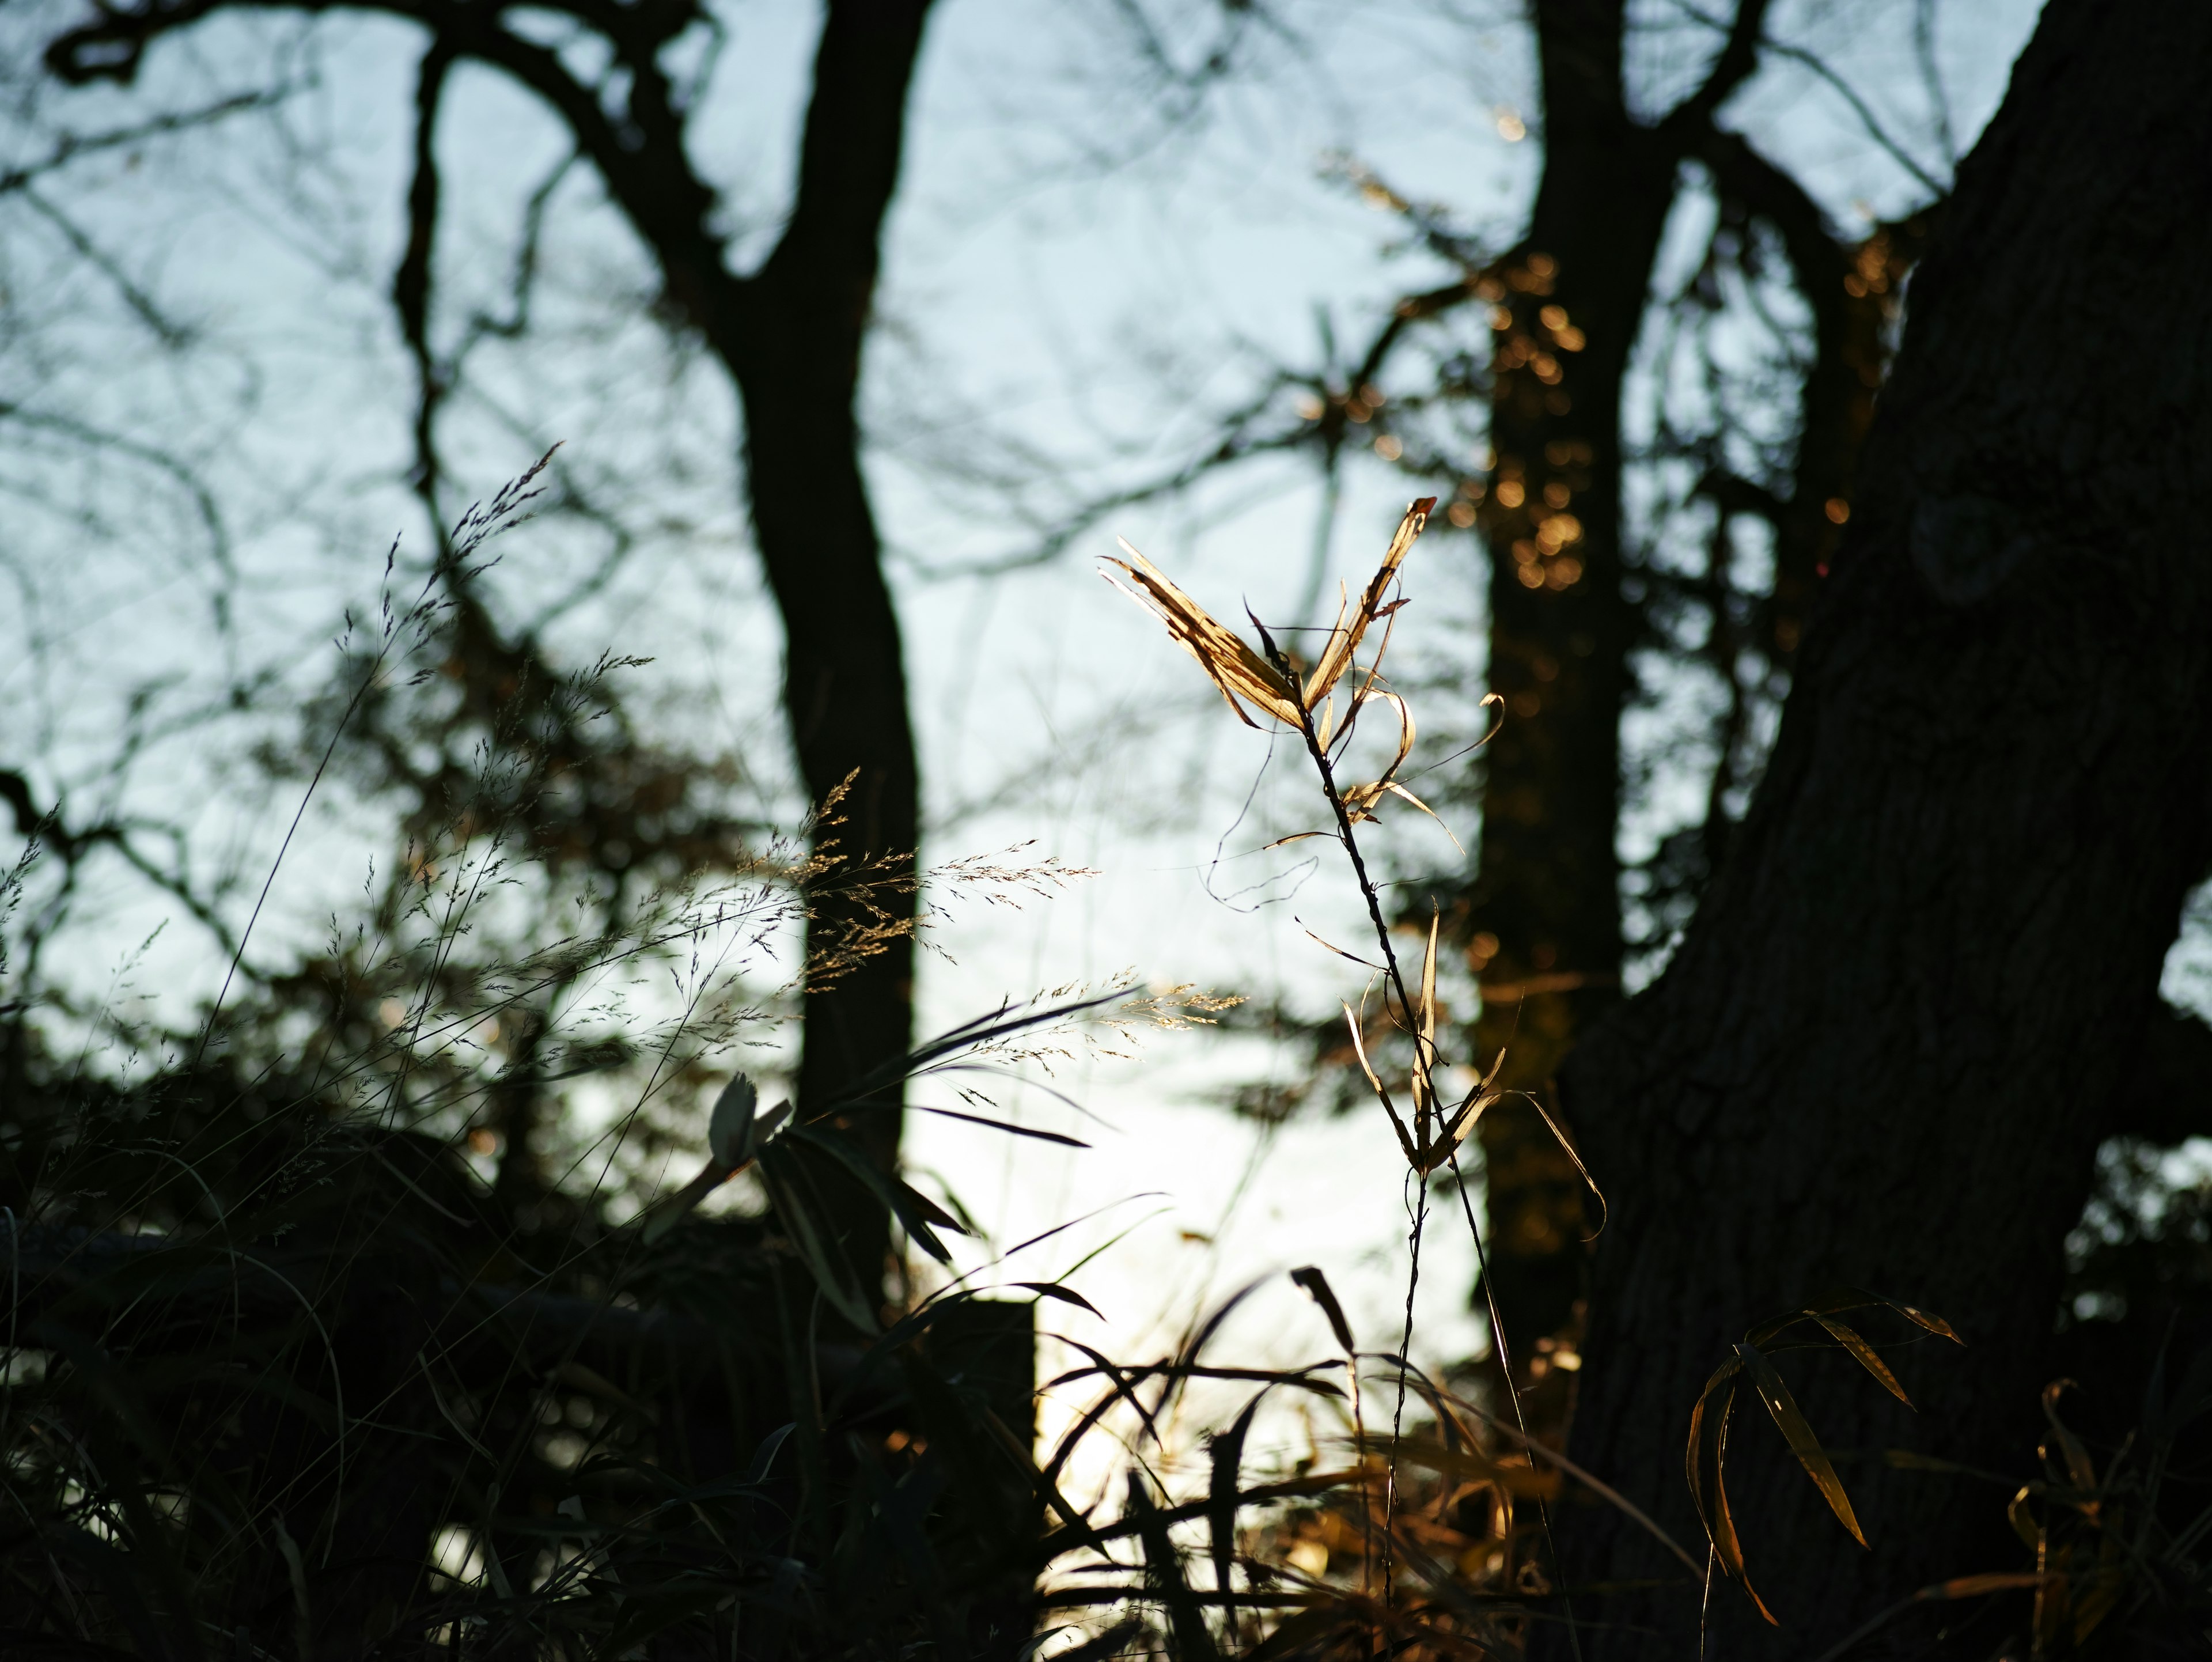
338	1328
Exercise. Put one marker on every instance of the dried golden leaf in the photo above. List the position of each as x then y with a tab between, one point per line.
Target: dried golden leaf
1693	1462
1359	1050
1604	1207
1837	1299
1521	1481
1973	1586
1425	1039
1330	945
1241	674
1848	1338
1336	655
2022	1520
1799	1435
1471	1106
2081	1471
1551	1456
1731	1551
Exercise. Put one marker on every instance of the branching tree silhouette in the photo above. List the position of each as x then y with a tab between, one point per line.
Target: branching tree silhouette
1570	602
1885	1053
1572	598
790	333
1573	593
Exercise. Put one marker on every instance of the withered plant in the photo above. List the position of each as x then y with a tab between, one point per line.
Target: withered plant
1322	704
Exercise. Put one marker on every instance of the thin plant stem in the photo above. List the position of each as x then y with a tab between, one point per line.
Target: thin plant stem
1705	1604
1319	754
1420	1210
1513	1395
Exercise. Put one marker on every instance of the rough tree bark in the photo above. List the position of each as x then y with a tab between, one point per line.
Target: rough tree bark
1541	920
790	335
1881	1056
1543	915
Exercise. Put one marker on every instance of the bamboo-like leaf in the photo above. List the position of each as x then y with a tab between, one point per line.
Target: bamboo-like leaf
730	1129
1730	1546
1225	1491
1190	1640
1359	1048
1604	1210
792	1212
886	1188
1848	1337
2081	1470
1025	1458
1007	1126
1484	1095
1693	1460
1588	1480
1725	1545
734	1138
1783	1407
1325	722
1359	801
929	1209
671	1209
1344	639
1907	1459
1425	1038
1318	1289
1973	1586
1837	1299
1331	946
1404	795
1123	1388
915	1211
1065	1294
1464	1463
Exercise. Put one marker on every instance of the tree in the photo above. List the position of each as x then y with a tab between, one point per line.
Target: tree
1572	596
1883	1054
790	333
1539	340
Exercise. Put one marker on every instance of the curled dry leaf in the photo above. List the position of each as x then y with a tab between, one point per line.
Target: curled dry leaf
1360	800
1243	675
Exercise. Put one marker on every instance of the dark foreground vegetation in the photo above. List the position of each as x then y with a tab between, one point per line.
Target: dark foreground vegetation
289	1377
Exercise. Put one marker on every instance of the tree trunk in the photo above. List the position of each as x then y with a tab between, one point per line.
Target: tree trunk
795	353
1876	1059
790	335
1542	920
